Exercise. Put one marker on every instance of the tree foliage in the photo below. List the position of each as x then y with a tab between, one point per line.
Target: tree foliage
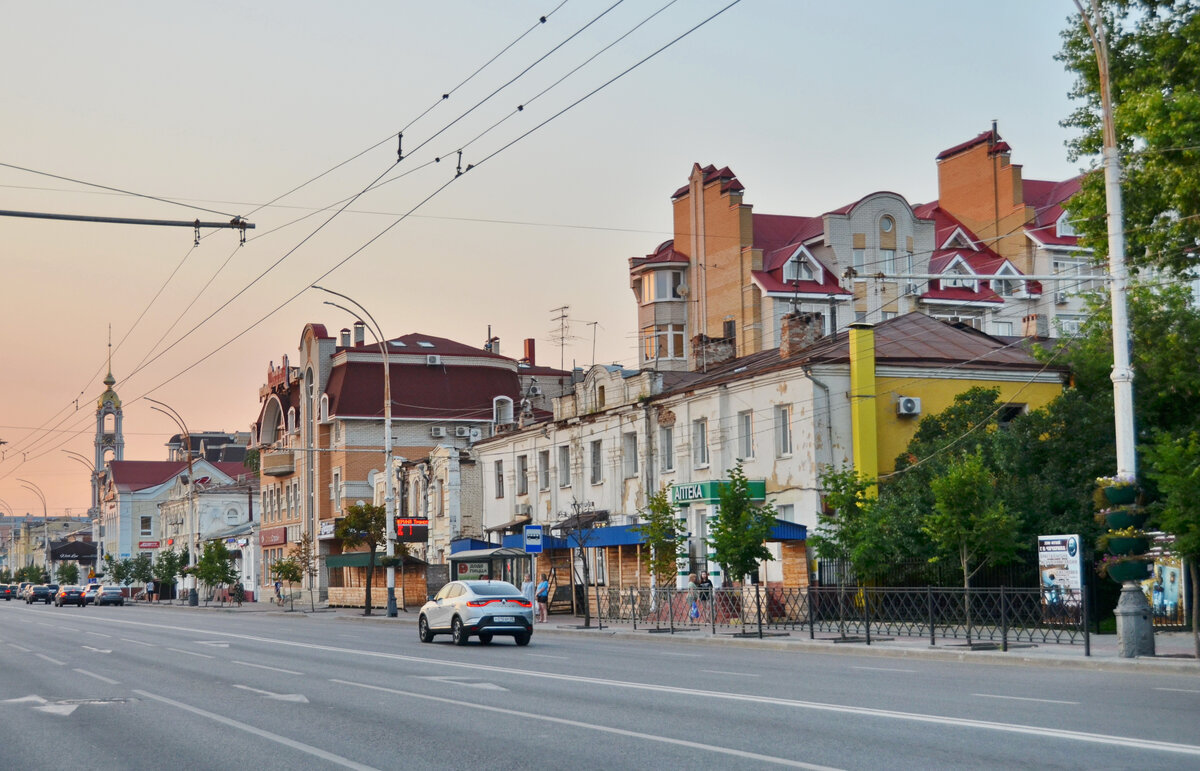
68	573
215	567
120	571
853	528
304	553
167	567
364	524
1154	65
663	536
1175	468
291	570
741	528
141	569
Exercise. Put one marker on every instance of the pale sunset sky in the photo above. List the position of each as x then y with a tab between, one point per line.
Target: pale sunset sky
228	106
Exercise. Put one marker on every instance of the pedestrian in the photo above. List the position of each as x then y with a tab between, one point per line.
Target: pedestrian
278	592
150	591
705	585
527	589
693	594
543	599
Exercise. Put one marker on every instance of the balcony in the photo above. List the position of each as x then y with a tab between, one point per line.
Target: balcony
278	463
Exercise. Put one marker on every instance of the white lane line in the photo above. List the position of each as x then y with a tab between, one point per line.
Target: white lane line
264	666
138	642
296	697
268	735
44	657
688	655
693	693
190	653
885	669
737	674
68	629
108	680
1022	698
1178	690
547	656
97	634
18	647
757	757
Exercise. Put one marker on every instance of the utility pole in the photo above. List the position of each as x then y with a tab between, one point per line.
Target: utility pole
1135	635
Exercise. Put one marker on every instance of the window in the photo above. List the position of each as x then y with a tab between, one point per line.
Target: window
439	502
887	261
564	466
544	470
522	475
147	524
886	224
785	512
661	285
629	454
798	269
1069	324
1076	276
663	341
666	448
783	430
499	475
729	329
887	315
502	410
745	424
335	489
600	397
859	259
597	468
1064	227
1004	328
700	442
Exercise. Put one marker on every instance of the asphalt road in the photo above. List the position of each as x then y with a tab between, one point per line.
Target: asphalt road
154	688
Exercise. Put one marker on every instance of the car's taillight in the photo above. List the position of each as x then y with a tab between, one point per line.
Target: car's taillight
480	603
523	603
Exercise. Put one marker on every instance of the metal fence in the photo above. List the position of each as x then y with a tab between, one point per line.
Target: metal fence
988	616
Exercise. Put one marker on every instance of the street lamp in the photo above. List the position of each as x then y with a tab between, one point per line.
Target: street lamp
45	523
94	510
166	409
389	497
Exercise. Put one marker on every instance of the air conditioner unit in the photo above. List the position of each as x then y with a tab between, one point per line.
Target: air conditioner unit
535	390
433	360
476	434
462	431
908	405
1060	298
437	432
910	288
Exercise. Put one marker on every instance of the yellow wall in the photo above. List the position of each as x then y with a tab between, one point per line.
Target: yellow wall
895	432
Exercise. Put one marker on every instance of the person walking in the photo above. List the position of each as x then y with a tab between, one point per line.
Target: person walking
543	599
150	591
278	592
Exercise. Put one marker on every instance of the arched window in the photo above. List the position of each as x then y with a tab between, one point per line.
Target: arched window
291	420
502	410
599	397
324	408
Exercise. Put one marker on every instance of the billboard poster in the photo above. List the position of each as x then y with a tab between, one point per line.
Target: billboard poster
1164	590
1060	568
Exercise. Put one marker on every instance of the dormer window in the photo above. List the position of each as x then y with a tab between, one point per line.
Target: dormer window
1064	227
1007	287
958	279
661	285
502	410
799	268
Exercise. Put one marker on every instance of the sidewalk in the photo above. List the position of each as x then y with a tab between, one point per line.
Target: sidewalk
1173	649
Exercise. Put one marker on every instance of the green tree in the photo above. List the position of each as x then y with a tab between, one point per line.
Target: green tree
166	568
68	573
304	553
855	529
291	570
969	522
253	460
214	567
363	524
741	528
6	576
141	569
120	571
1154	66
1175	468
32	573
663	537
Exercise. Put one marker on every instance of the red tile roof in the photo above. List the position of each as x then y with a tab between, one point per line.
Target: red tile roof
355	389
972	142
663	253
412	345
712	174
981	259
1047	199
133	475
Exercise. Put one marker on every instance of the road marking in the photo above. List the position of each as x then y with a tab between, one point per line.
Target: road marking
484	686
688	655
97	634
692	693
62	710
31	697
190	653
723	672
108	680
299	698
96	650
18	647
885	669
547	656
264	666
139	642
213	643
305	748
593	727
68	629
44	657
1178	690
1022	698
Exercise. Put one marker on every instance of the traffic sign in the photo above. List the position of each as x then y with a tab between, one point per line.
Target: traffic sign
533	539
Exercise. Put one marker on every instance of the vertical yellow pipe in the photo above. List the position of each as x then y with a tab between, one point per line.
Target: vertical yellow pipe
864	430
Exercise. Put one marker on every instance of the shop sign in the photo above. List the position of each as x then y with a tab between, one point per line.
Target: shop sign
710	491
273	537
148	544
326	529
412	530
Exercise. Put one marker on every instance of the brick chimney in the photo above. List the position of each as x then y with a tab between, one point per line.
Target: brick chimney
710	351
799	331
529	352
1035	325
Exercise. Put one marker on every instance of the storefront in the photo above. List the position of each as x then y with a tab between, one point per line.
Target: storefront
699	503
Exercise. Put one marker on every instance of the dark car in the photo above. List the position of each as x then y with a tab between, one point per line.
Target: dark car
110	595
482	608
38	593
7	591
69	595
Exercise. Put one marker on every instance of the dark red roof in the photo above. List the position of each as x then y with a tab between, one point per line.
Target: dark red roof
663	253
980	258
712	174
140	474
972	142
1047	199
412	346
355	389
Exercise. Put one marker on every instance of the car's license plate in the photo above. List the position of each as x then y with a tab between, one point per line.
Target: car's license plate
504	619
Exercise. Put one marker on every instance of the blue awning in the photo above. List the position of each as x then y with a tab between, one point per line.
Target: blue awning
469	544
517	541
788	531
619	535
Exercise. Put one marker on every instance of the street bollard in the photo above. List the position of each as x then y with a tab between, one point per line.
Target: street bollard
1003	621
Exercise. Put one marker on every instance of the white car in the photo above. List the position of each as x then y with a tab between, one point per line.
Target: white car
480	608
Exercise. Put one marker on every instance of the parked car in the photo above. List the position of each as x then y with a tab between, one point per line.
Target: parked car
89	593
38	593
481	608
68	595
110	595
7	591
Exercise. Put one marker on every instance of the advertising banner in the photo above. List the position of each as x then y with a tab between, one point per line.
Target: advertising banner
1060	567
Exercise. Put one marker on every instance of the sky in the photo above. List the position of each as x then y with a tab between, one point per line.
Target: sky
241	108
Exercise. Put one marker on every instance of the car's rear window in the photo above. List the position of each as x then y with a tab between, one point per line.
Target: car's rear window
496	589
111	590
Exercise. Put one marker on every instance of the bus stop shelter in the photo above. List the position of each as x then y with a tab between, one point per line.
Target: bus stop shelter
503	563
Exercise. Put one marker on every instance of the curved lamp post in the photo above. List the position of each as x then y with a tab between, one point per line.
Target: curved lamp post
45	523
94	511
166	409
389	496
